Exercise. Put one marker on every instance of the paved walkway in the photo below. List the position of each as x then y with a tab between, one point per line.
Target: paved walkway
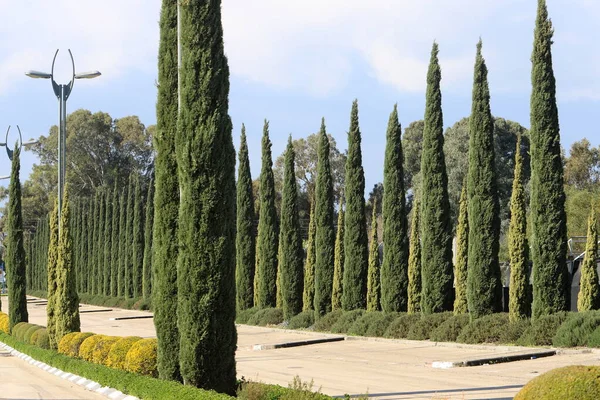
385	369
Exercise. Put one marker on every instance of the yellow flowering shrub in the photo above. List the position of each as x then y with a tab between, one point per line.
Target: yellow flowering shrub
141	358
118	352
72	345
102	348
65	343
4	323
87	347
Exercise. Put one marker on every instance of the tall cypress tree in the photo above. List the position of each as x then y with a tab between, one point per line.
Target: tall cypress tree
436	224
414	261
325	233
290	241
308	295
245	240
394	270
108	219
91	244
355	232
114	243
148	225
589	288
267	228
518	246
462	255
206	163
166	199
129	238
67	299
548	216
99	265
51	307
121	288
484	287
138	238
338	263
374	274
16	268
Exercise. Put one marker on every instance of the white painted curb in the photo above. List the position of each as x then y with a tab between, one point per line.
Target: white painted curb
87	384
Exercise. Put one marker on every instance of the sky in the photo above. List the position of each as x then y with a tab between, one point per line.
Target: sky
293	62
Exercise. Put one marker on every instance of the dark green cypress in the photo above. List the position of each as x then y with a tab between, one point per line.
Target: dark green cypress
99	264
290	241
394	269
374	273
308	293
325	233
16	268
462	255
338	263
129	238
138	238
548	217
122	267
108	219
148	225
206	164
114	248
436	224
414	261
51	307
87	279
484	287
267	229
67	300
518	246
589	289
245	240
355	232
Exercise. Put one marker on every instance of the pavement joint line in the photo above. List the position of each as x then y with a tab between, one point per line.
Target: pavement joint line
493	360
132	317
95	311
80	381
258	347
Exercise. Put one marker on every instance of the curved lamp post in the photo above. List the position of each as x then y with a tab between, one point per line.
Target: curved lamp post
62	93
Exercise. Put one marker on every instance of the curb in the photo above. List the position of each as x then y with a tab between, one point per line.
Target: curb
258	347
133	317
492	360
87	384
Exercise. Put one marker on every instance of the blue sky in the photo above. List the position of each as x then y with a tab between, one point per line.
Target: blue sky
293	62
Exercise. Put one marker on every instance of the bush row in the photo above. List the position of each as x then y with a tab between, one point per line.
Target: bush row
104	301
27	333
565	329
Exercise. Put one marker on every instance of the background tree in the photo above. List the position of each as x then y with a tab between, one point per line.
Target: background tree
548	219
325	234
52	284
338	262
374	273
462	255
121	276
589	292
436	232
308	295
412	145
148	226
414	262
582	168
106	264
98	273
114	245
130	239
355	232
394	270
138	238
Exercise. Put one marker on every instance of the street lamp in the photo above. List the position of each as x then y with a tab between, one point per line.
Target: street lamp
62	93
20	143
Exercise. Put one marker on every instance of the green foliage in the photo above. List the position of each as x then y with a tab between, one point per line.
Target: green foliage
297	390
103	347
362	324
29	333
400	327
355	232
325	323
86	349
576	329
378	327
98	271
129	244
345	321
548	218
290	242
421	329
325	234
121	290
374	271
542	330
394	269
449	330
308	294
15	252
589	291
572	382
148	225
19	330
117	355
493	328
594	338
414	262
462	255
114	245
303	320
436	225
266	316
138	238
141	358
245	240
484	288
518	247
338	263
43	339
51	307
108	220
243	316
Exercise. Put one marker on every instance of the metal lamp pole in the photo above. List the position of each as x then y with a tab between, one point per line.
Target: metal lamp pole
62	93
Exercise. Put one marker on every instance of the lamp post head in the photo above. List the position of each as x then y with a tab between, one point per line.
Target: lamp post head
38	75
30	142
88	75
4	177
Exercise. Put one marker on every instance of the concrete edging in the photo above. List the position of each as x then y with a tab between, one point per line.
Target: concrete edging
87	384
258	347
492	360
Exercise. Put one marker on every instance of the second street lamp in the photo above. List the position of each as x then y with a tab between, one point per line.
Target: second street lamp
62	93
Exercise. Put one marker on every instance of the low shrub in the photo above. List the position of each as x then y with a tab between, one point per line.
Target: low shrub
4	323
42	340
142	304
18	331
86	350
34	337
421	329
118	352
514	330
576	329
487	329
542	330
325	323
573	382
243	316
75	343
141	358
302	321
297	390
64	344
346	320
267	316
360	326
399	328
102	348
449	330
29	332
378	327
594	339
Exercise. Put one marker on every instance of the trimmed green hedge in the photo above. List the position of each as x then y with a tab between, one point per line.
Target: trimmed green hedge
377	328
576	330
399	328
346	320
421	329
449	330
361	325
242	317
103	301
303	320
267	316
493	328
325	323
542	330
573	382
